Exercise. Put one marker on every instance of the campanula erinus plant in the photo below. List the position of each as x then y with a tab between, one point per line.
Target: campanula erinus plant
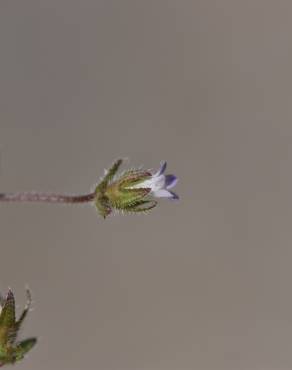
131	191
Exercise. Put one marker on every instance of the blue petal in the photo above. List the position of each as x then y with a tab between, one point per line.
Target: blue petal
170	181
162	168
174	195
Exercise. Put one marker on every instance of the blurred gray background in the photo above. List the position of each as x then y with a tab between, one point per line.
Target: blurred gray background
207	85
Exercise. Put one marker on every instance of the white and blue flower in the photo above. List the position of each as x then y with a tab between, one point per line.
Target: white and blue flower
160	184
132	191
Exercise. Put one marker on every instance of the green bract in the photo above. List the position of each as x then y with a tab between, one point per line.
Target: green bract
122	193
12	350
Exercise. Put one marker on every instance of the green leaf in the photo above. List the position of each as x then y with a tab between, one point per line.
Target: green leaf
133	177
8	329
109	176
7	317
127	197
23	347
142	206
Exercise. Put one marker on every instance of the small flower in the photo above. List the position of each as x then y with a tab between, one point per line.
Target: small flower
132	191
160	184
12	350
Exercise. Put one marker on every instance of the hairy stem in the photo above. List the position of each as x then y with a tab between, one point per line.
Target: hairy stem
46	197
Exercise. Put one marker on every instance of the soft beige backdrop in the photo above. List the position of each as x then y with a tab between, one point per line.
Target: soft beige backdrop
207	85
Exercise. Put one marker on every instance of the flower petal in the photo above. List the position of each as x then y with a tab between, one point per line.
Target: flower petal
162	193
162	168
170	181
174	195
154	183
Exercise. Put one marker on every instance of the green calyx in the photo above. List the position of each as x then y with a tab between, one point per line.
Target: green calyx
122	192
12	350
